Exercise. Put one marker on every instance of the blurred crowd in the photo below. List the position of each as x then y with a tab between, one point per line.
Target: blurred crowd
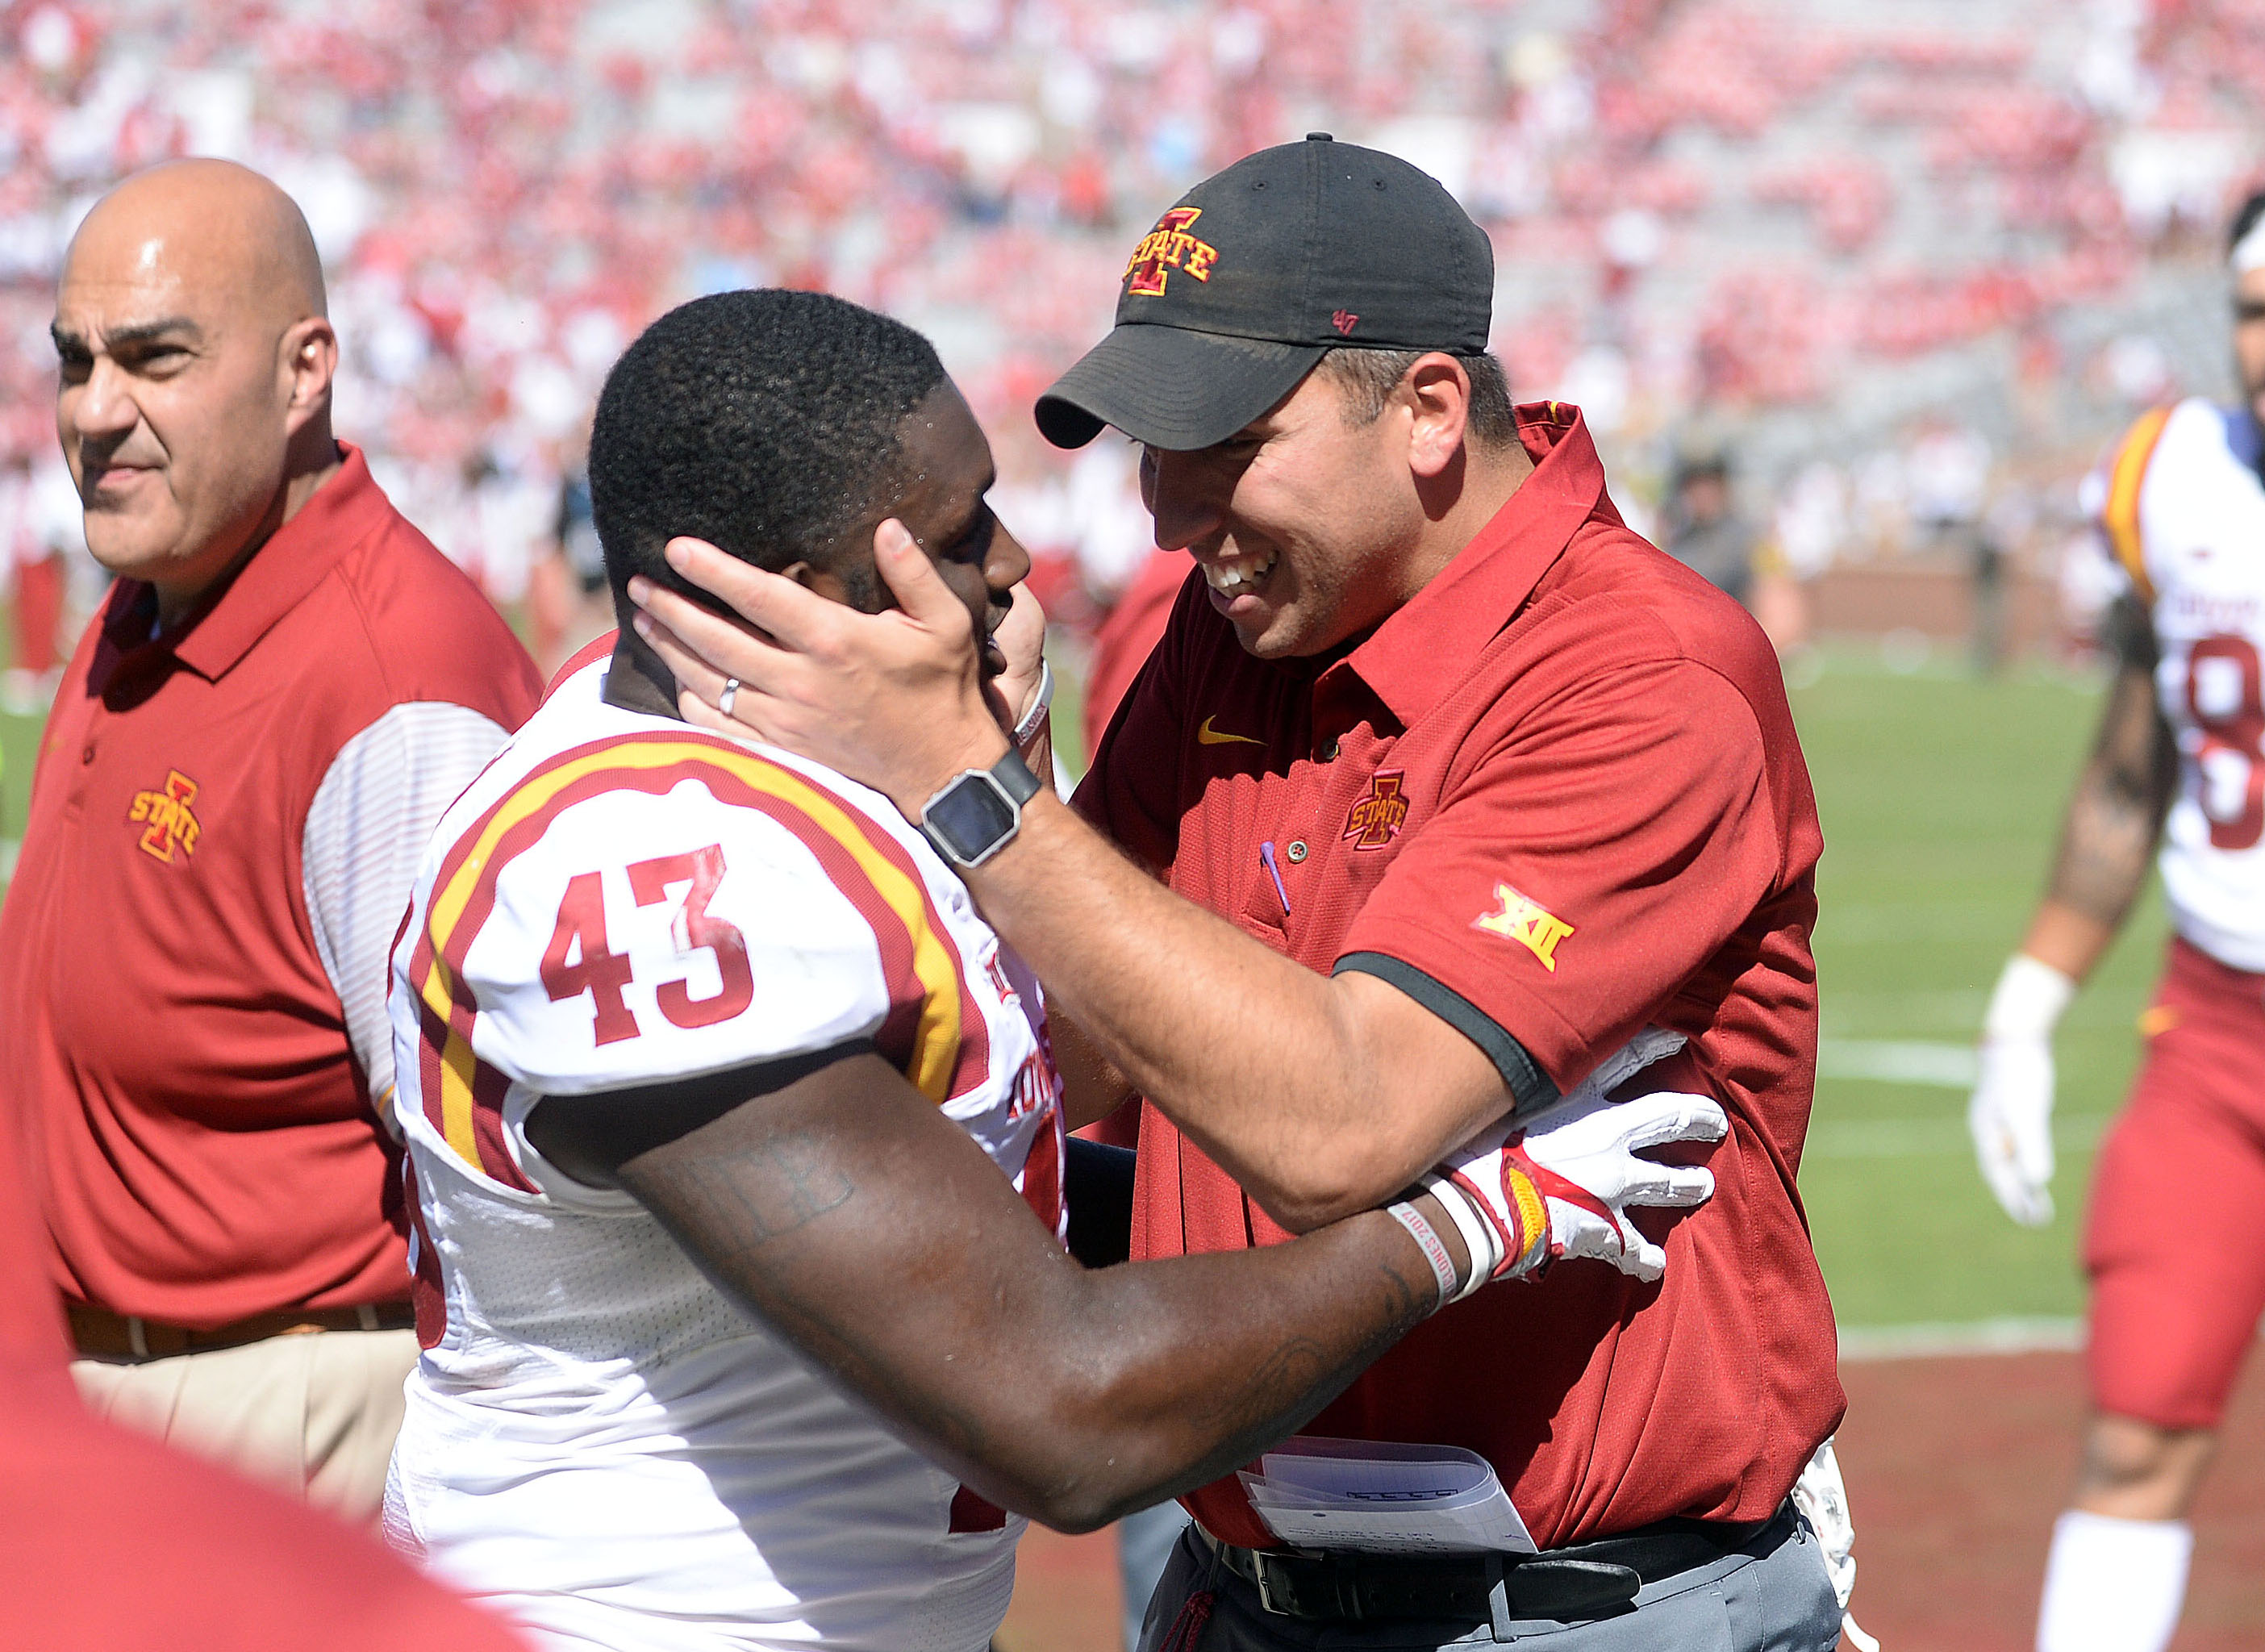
1702	209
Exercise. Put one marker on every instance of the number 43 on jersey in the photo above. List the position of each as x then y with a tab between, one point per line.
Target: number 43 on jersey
580	959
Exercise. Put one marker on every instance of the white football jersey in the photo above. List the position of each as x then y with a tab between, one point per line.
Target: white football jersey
598	1442
2183	508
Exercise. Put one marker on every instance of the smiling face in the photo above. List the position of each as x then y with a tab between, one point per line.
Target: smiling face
938	479
1304	523
192	352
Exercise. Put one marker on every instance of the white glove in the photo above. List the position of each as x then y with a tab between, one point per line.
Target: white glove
1561	1184
2011	1112
1823	1499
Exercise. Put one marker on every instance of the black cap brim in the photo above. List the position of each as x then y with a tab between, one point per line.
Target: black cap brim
1171	387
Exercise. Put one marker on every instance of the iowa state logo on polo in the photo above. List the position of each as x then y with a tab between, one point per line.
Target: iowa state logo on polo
168	816
1527	922
1166	247
1375	820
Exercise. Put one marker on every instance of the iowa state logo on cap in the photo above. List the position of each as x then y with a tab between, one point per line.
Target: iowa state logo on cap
1166	247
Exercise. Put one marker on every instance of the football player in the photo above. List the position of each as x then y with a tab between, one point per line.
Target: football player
2174	1241
735	1148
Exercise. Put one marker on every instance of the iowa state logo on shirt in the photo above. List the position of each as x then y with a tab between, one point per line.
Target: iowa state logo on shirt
170	821
1375	820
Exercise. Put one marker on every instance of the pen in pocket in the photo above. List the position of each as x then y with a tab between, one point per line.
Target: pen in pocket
1266	859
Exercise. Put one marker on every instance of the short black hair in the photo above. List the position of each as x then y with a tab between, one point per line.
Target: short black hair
2245	220
759	421
1368	377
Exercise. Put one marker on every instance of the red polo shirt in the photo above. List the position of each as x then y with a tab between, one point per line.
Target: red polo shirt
169	1042
1555	797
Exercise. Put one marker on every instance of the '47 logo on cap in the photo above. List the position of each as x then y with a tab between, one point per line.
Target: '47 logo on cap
1169	245
1525	921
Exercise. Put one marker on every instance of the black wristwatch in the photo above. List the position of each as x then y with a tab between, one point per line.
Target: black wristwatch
978	812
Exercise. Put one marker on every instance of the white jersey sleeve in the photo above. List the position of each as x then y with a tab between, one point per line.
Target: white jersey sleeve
376	806
733	932
612	925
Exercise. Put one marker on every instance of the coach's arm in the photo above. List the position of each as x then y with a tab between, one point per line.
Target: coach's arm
834	1201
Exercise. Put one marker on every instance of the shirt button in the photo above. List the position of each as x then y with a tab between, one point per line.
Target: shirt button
1329	753
1298	851
86	756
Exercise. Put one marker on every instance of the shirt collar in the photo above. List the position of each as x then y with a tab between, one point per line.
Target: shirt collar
1420	652
339	515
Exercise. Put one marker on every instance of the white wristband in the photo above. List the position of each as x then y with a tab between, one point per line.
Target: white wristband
2028	1002
1480	1238
1035	717
1434	1247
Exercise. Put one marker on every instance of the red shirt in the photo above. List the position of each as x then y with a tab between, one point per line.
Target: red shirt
1555	797
169	1042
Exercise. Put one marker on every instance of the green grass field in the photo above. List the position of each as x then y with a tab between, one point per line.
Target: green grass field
1941	798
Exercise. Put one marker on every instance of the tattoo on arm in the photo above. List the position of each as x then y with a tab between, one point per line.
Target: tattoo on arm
2117	812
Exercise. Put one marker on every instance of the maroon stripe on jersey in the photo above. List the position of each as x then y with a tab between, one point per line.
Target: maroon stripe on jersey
432	1038
589	654
428	1294
489	1086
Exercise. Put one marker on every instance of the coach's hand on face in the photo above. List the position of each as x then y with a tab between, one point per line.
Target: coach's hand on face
901	700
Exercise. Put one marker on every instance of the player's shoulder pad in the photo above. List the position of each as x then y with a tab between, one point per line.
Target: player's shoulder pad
2125	473
647	909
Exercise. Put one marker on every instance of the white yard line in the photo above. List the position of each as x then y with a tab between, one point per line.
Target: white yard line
1949	1066
1930	1138
1859	1343
10	849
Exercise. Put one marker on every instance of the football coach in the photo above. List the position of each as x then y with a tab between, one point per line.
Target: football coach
285	687
1441	785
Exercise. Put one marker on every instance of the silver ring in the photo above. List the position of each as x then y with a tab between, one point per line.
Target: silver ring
730	692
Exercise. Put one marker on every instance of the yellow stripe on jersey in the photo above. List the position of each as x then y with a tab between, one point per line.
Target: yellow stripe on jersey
456	1061
935	1038
2120	519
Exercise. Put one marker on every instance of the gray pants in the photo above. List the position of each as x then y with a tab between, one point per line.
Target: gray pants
1775	1595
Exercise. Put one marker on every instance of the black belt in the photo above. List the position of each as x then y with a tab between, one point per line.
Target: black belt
1581	1579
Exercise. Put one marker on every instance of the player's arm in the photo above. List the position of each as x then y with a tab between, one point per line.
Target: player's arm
2107	840
830	1198
2114	814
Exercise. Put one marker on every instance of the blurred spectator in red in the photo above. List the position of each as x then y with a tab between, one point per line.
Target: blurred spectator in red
1122	644
109	1539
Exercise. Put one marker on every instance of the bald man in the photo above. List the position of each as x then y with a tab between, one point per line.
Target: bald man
285	688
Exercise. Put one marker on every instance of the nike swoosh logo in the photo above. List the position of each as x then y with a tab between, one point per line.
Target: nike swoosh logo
1209	736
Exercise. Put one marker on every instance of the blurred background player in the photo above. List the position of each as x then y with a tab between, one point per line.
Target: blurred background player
710	1074
2174	1242
1701	527
285	687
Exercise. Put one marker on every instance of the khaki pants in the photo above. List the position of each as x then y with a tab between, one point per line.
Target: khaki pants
314	1413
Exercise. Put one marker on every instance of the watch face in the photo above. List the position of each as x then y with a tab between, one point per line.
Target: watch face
971	816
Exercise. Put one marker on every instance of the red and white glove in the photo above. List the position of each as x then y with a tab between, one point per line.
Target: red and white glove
1562	1183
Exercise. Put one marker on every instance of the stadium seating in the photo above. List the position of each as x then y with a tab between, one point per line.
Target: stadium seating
1740	205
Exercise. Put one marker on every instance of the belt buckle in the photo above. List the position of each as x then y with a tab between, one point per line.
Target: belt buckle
1265	1570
